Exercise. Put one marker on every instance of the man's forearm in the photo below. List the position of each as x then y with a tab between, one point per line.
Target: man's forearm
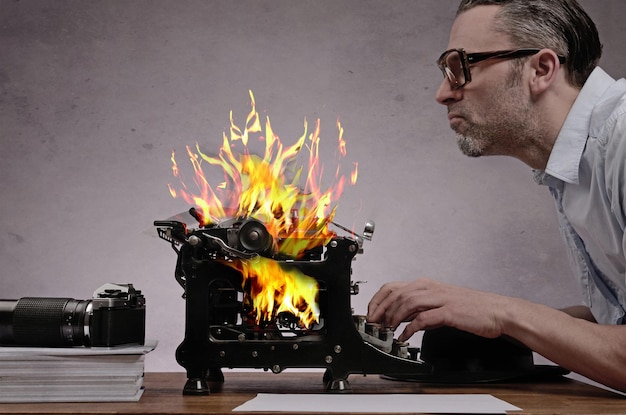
590	349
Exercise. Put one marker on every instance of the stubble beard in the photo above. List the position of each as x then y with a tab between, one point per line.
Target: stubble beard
471	147
508	123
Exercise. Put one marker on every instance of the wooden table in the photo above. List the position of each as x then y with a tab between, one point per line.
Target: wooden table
163	395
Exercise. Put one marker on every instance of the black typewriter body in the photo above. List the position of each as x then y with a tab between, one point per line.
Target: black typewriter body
221	333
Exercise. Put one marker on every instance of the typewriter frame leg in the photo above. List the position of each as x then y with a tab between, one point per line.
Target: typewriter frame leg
338	386
196	386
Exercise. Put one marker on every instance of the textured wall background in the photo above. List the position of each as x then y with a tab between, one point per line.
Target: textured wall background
95	95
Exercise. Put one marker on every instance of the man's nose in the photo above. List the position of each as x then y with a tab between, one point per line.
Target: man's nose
446	95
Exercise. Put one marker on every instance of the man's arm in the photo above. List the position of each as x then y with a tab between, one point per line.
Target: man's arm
592	350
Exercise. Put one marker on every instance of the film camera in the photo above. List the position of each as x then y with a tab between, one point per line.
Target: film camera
114	316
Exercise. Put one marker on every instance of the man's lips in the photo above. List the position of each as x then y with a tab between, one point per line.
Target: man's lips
452	116
455	119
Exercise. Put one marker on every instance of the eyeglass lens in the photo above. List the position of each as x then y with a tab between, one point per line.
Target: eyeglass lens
452	65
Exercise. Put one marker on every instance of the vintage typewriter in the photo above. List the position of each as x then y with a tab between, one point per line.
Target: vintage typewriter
224	329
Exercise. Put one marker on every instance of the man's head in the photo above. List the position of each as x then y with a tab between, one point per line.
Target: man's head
511	73
560	25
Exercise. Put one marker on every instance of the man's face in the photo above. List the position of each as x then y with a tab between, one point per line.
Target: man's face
492	112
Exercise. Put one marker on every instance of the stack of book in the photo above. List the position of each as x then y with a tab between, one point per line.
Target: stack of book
72	374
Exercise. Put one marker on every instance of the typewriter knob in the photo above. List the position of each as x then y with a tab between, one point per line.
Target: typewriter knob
254	237
368	232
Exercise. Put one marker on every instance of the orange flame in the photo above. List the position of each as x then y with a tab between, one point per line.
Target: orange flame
273	290
268	188
258	186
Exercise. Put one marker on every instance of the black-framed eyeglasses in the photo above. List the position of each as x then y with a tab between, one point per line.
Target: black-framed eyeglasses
455	63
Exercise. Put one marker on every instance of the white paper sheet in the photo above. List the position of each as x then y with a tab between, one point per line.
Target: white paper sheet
389	403
21	353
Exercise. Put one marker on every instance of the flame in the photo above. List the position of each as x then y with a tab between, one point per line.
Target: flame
268	187
287	197
273	290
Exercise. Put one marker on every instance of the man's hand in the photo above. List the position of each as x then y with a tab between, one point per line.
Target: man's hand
593	350
427	304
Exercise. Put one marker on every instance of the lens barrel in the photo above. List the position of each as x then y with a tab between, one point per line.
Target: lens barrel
43	321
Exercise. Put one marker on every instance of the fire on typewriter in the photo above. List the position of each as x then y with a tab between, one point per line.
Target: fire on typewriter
268	284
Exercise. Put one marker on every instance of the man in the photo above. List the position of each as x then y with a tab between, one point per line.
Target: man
520	79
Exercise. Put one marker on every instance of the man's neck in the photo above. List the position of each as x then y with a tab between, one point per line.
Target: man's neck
552	110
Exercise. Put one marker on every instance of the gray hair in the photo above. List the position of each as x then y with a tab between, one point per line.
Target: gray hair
560	25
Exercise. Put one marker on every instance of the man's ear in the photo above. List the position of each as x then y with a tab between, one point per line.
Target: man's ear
545	67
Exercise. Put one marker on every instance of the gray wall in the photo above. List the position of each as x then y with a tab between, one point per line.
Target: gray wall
95	95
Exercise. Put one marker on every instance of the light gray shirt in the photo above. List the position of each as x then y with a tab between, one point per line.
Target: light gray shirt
586	174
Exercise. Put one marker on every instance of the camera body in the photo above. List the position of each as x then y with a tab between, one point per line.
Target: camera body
118	316
114	316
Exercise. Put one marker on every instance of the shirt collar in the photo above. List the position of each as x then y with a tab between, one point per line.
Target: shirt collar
568	148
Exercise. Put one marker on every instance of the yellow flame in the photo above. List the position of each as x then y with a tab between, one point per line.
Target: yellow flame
269	188
273	290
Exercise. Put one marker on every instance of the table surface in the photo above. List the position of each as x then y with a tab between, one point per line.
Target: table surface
163	394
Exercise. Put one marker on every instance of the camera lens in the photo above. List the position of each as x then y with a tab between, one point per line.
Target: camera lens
41	321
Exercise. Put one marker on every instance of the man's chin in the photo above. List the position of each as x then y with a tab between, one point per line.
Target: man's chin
468	146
